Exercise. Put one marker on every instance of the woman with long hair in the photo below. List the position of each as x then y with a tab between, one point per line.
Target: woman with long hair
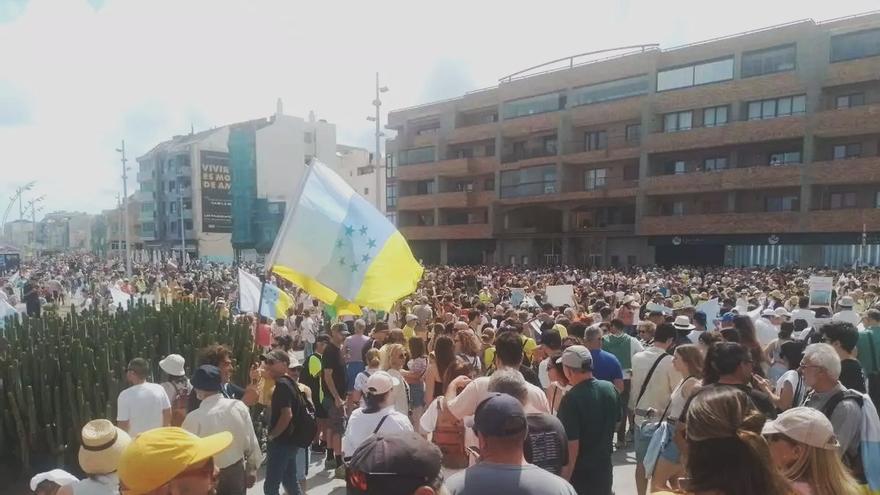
469	348
746	328
726	454
414	374
447	431
789	391
444	355
777	366
360	382
395	358
804	448
688	361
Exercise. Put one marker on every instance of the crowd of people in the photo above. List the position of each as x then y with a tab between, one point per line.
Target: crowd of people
723	381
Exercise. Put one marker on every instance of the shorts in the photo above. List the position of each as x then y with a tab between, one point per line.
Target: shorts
670	451
320	412
335	416
642	438
351	372
416	395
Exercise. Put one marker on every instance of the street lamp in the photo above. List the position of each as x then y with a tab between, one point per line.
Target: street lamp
378	104
125	207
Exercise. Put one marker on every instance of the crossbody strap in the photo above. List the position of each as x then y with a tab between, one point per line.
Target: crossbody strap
381	421
648	378
873	350
666	410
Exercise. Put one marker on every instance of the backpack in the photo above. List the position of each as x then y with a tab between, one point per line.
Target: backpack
852	461
449	438
179	405
303	427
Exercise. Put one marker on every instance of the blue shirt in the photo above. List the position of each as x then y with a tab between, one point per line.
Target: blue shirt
606	366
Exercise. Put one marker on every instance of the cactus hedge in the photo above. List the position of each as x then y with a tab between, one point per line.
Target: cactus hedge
58	373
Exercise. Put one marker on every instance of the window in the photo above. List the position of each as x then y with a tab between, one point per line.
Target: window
390	169
677	121
631	172
425	187
365	170
785	157
532	181
851	100
877	199
693	75
490	149
187	204
777	107
187	224
548	145
596	140
366	191
630	260
391	195
610	90
170	186
172	207
392	217
308	137
465	153
428	131
674	208
467	186
425	218
675	168
595	179
855	45
768	61
489	185
842	200
416	155
533	105
715	116
633	133
712	164
782	203
851	150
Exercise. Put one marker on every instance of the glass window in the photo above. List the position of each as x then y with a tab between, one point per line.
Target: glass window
842	200
712	164
391	195
702	73
768	61
677	121
768	109
596	140
633	133
532	181
392	217
851	100
784	107
425	187
715	116
782	203
595	179
785	157
777	107
611	90
390	169
416	155
754	110
798	104
678	208
877	199
851	150
855	45
536	104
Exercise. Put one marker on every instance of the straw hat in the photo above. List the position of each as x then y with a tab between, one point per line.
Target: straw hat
102	447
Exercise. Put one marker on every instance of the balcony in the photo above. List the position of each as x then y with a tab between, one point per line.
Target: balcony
478	132
849	171
145	175
533	156
523	126
456	167
729	223
864	119
438	232
760	177
457	199
736	90
579	155
852	71
626	189
845	220
750	131
610	111
426	138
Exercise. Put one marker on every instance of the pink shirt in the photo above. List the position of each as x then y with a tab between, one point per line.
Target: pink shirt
465	403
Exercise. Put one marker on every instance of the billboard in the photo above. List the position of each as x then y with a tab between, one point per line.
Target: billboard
216	192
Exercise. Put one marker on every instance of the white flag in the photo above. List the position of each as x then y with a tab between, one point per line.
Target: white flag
248	292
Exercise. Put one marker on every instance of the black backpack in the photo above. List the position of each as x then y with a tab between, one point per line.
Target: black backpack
853	462
303	427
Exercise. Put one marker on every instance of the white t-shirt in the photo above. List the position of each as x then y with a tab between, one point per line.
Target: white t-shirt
792	378
142	405
309	332
361	425
765	331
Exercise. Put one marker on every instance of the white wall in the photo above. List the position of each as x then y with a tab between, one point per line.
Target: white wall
350	159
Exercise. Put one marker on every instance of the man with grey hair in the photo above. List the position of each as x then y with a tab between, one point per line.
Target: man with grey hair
353	352
606	366
423	311
546	444
843	407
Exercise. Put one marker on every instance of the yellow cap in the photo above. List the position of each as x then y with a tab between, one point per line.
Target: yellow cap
157	456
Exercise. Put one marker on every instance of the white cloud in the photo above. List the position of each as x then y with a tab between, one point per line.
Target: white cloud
90	73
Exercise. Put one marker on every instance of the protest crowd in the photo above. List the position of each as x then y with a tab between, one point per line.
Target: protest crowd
518	380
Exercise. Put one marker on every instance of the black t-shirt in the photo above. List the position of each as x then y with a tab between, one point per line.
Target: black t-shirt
31	294
761	400
332	360
546	444
851	375
530	375
283	396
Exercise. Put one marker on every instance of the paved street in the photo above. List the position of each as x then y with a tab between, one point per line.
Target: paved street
322	483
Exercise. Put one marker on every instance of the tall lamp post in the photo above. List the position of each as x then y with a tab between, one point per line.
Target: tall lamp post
34	209
378	104
125	208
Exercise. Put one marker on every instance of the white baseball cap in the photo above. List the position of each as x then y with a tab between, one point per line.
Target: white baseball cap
173	365
781	311
804	425
381	382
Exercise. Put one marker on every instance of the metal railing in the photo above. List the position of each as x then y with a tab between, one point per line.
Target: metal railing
525	154
633	49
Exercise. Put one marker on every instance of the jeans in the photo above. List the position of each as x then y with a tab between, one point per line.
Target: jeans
302	463
281	468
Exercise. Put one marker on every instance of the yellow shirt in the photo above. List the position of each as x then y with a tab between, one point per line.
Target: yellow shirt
529	346
265	388
408	332
488	357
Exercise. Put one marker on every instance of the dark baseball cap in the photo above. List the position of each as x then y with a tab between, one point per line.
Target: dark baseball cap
207	378
500	415
393	464
277	355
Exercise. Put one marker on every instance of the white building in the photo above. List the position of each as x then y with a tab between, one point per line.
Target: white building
356	167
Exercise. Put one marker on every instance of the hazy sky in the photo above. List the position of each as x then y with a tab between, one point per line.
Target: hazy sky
77	76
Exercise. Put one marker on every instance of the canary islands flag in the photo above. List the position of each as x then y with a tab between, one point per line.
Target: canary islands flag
340	249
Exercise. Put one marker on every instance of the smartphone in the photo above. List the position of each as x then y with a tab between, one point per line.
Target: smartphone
474	451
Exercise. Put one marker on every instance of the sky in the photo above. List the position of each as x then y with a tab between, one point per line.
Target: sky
79	76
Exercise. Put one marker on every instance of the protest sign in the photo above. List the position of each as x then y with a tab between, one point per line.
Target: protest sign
820	291
517	295
560	295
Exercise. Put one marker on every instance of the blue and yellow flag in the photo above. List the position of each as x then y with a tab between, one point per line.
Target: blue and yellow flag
340	249
275	302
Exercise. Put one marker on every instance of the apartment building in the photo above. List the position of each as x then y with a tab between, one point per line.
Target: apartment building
759	148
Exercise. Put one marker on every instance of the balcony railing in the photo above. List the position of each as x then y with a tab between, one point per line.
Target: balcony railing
525	154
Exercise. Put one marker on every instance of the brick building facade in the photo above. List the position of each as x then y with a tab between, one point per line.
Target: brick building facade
761	148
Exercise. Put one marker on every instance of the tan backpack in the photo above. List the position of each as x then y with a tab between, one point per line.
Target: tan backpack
179	405
449	437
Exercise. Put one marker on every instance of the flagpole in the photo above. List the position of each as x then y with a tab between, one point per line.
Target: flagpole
259	308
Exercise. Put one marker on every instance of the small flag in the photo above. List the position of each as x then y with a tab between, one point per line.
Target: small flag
275	302
340	249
